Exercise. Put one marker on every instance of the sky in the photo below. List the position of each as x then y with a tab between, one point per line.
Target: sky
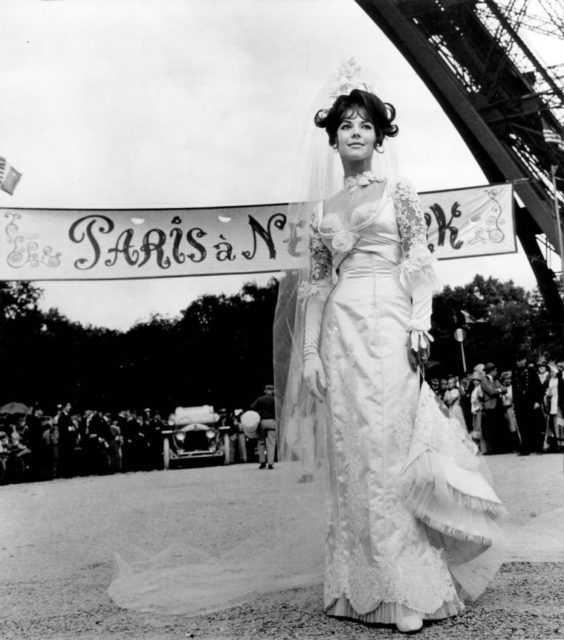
177	103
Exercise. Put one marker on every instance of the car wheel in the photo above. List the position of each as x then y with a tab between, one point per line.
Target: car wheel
166	453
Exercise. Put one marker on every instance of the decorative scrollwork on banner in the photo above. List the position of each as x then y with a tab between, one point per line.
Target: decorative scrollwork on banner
27	253
490	228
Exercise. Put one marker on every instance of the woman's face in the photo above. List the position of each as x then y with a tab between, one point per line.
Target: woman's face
356	137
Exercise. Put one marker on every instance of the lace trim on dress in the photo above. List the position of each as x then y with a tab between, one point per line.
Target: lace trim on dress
445	490
411	574
420	581
409	214
353	183
391	612
321	264
413	231
314	290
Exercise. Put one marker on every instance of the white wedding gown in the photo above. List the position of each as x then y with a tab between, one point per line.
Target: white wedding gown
410	518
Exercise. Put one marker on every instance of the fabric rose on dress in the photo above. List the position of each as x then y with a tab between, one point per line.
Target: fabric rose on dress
363	214
344	240
331	223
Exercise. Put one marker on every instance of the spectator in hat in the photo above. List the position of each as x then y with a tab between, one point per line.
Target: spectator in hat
37	445
116	443
452	398
264	406
509	410
477	409
551	402
68	432
492	425
527	398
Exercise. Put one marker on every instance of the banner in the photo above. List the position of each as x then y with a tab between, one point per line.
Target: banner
55	244
465	223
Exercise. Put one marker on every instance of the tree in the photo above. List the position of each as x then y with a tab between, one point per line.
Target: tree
504	319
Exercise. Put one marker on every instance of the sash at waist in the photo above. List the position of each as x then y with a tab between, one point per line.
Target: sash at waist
381	258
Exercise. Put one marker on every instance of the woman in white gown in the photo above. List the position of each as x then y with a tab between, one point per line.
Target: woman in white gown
410	520
406	528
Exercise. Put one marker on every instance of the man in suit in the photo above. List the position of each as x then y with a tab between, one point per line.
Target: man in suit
492	420
67	441
37	445
264	406
528	396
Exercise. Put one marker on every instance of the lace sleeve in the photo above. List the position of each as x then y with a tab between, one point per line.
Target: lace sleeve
321	265
409	213
413	233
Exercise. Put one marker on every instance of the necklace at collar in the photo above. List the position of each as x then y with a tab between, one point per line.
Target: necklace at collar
352	183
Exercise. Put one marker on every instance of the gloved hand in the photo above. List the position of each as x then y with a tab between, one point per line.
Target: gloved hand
314	375
419	348
313	371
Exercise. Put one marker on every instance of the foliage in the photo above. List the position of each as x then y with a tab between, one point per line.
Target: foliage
501	320
218	351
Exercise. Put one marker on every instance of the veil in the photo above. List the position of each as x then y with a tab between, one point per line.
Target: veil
318	176
287	550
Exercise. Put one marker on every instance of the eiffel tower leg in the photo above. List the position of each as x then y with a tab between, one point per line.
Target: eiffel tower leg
546	281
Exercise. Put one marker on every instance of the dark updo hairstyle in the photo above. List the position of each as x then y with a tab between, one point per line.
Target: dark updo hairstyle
380	113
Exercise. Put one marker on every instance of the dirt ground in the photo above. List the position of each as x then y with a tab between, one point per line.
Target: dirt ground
57	543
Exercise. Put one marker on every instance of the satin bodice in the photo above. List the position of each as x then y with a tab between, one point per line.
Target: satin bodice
373	228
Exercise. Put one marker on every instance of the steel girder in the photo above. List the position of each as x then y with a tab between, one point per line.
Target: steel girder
491	102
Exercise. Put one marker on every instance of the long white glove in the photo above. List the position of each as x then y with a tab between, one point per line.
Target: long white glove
420	324
313	372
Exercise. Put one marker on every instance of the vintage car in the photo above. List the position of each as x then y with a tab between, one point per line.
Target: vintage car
194	435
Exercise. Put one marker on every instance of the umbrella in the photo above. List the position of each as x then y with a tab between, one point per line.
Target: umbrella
15	407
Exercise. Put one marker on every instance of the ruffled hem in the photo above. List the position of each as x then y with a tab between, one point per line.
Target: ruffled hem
391	612
446	491
429	493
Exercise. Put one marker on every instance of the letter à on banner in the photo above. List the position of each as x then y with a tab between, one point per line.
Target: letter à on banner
54	244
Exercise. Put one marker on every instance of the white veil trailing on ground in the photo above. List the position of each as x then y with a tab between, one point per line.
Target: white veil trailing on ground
287	550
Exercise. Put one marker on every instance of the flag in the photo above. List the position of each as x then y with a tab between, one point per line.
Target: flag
552	137
468	319
9	177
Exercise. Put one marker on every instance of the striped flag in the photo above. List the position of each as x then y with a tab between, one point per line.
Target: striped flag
468	319
552	137
9	177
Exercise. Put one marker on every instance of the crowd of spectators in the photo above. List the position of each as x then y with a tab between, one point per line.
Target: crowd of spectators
69	443
516	410
38	446
519	410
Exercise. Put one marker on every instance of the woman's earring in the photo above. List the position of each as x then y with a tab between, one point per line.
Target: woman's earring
335	147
